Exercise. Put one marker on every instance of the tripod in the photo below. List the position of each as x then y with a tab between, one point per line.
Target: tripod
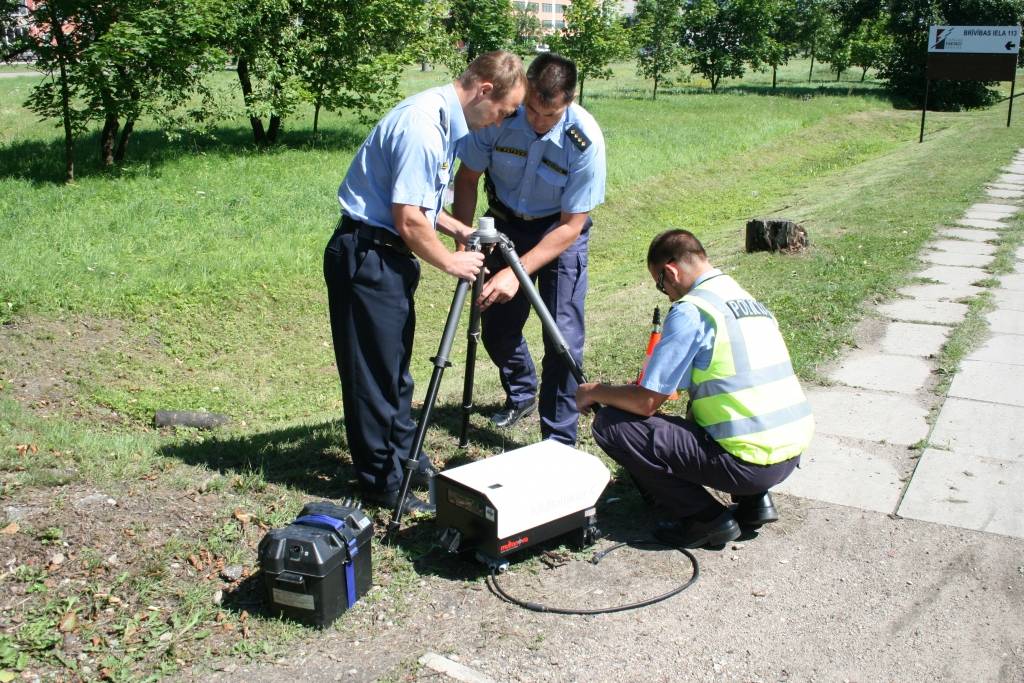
485	236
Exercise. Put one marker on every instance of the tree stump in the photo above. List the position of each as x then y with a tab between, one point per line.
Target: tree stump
775	234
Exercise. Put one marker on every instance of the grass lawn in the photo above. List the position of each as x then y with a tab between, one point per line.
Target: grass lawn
190	279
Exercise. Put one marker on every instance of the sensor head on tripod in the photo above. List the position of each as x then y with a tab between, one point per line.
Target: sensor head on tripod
485	231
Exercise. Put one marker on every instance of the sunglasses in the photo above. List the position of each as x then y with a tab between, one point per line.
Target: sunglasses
660	284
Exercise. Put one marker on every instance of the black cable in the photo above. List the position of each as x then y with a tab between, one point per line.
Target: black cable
492	583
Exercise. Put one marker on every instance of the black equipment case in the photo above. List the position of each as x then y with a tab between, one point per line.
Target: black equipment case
319	565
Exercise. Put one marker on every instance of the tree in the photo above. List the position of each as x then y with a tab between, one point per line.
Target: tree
483	25
116	61
655	37
263	37
778	44
722	35
835	46
528	30
870	44
351	53
593	37
811	28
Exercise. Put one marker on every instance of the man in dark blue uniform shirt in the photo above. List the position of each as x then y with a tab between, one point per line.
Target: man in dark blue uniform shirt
391	203
545	172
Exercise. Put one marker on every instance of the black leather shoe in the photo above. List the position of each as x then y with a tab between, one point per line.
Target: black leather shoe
421	478
755	511
693	533
389	499
512	414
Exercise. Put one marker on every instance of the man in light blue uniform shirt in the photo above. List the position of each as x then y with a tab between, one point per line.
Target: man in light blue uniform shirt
391	202
544	173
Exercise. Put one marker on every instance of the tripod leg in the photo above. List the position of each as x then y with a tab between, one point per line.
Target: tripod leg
508	252
473	340
440	363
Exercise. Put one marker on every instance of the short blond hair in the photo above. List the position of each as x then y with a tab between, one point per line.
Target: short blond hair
502	69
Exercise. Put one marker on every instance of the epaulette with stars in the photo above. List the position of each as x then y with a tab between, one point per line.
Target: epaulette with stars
578	138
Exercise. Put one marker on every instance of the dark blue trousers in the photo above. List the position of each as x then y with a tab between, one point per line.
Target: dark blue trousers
673	459
370	294
563	287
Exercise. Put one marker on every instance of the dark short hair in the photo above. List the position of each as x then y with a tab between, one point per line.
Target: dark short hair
552	78
502	69
675	245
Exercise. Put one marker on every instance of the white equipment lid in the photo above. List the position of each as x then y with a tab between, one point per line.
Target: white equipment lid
535	484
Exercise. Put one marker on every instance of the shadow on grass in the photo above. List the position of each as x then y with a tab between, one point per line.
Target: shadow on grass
42	162
307	458
314	459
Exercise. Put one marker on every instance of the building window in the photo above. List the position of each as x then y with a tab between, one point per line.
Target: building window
560	23
547	7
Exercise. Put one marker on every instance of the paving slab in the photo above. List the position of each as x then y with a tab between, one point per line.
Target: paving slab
993	382
1014	281
1011	178
949	258
1008	299
1007	186
924	311
868	415
981	223
1000	348
914	339
1019	253
1000	193
856	474
980	428
940	292
1009	322
967	491
1008	209
1015	167
882	372
976	214
971	234
954	275
965	247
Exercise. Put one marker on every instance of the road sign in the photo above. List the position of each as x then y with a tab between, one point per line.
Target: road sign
1002	40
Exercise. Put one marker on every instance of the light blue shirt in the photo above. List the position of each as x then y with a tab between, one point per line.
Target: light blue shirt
406	159
687	340
539	176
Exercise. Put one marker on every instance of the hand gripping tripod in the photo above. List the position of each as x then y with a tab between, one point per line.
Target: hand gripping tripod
485	237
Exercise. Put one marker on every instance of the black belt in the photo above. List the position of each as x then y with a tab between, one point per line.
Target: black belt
502	212
379	236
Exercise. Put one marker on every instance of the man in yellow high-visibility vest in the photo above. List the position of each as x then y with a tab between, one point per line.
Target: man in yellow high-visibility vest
748	420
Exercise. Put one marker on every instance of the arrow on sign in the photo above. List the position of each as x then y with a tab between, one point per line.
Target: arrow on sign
1009	45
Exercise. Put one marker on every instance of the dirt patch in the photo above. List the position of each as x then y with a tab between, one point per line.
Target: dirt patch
43	361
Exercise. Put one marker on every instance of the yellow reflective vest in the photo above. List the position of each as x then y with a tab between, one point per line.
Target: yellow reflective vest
748	399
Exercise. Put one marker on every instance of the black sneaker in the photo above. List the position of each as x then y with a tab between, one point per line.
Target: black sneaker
756	510
389	499
690	532
512	414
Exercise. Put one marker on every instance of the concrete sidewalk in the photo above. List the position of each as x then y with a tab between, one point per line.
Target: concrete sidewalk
971	470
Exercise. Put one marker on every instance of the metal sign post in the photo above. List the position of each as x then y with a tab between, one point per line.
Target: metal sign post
971	53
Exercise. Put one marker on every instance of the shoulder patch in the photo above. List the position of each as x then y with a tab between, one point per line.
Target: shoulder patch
578	138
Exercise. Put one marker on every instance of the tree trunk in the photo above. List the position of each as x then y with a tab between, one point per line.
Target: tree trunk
655	96
107	139
316	116
122	143
581	90
65	100
714	83
274	129
863	74
811	72
259	136
775	71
